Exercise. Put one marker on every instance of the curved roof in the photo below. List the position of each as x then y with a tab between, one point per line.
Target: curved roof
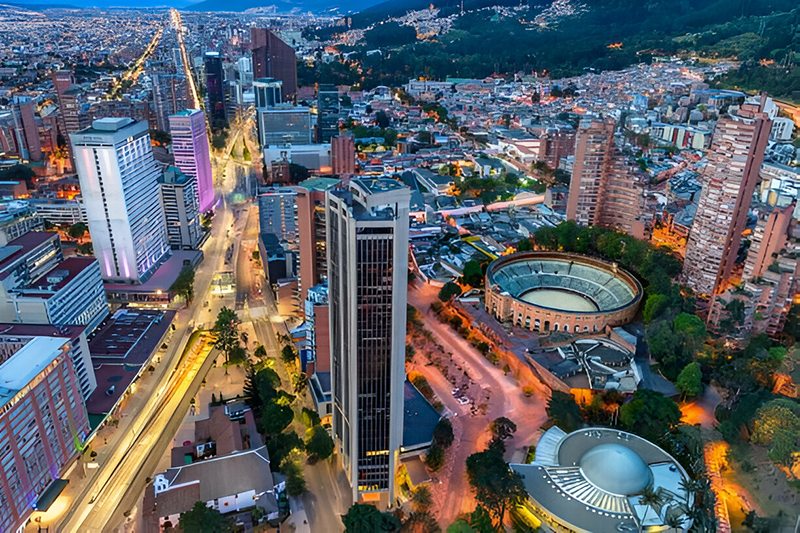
608	287
616	469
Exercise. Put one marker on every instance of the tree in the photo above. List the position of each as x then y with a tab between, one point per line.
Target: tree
260	351
449	290
202	519
288	354
649	498
381	120
184	284
525	245
159	137
282	445
297	173
650	414
690	382
502	428
443	433
421	499
495	485
561	407
226	329
77	230
654	306
364	518
292	468
472	274
434	459
319	443
275	418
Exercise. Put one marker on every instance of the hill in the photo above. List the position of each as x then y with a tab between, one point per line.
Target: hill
316	6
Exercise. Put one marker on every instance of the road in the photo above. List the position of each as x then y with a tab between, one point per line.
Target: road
194	101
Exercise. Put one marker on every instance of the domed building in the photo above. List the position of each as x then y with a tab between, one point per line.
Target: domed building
592	481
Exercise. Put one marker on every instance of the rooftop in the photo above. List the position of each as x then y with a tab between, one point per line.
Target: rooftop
420	418
318	184
22	367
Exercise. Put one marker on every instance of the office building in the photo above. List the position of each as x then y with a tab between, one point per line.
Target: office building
277	214
59	211
327	112
62	82
42	423
17	218
215	85
267	92
312	233
603	189
23	109
119	184
39	286
169	97
272	58
193	154
284	124
179	197
729	180
343	155
367	277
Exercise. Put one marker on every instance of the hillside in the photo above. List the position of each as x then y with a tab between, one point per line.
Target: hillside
316	6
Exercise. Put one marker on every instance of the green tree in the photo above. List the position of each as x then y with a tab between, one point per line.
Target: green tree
654	306
443	433
421	499
226	329
319	443
650	414
280	445
448	291
292	468
364	518
525	245
472	274
260	351
77	231
288	354
649	499
184	284
502	428
434	459
690	382
566	414
495	485
202	519
275	418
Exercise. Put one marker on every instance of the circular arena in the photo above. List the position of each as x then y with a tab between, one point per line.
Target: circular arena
553	291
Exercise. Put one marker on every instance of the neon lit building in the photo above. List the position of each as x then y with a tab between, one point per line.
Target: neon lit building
192	153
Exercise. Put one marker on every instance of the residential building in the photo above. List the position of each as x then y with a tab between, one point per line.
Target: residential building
272	58
42	423
62	82
169	97
327	112
367	232
767	240
343	155
284	124
215	85
311	229
729	180
179	198
59	211
23	108
17	218
603	190
193	154
277	213
119	184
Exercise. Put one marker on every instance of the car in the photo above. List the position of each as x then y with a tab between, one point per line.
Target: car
455	392
463	401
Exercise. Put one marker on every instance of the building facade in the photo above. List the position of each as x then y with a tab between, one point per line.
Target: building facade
327	112
311	229
284	124
23	109
119	184
179	197
367	277
193	154
729	180
277	214
343	155
215	85
273	58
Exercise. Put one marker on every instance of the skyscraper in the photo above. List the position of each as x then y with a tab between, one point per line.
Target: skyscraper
215	85
24	111
311	232
273	58
729	180
169	96
119	184
603	189
192	153
179	197
62	82
327	112
367	243
276	214
343	155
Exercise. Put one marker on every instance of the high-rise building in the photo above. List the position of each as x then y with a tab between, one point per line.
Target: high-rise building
23	109
42	421
767	240
267	92
273	58
119	184
311	232
192	153
179	196
69	109
169	97
284	124
729	180
277	214
603	189
343	155
327	112
215	85
367	276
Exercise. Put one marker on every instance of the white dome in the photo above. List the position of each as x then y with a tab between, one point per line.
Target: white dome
616	469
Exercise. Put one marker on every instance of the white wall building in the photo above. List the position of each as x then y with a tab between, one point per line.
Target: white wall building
119	184
179	197
277	213
782	128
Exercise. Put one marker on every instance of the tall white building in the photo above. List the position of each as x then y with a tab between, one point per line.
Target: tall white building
119	184
367	245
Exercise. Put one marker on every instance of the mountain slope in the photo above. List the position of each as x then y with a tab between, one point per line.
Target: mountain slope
316	6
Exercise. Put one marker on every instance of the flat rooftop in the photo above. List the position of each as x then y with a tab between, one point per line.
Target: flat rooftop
419	419
130	336
26	364
163	278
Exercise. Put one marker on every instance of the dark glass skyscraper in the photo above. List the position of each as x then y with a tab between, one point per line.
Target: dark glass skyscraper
215	85
273	58
327	113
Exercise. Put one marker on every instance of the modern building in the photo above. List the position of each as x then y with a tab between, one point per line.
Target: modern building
192	153
311	228
179	198
591	481
267	92
343	155
39	286
327	112
68	108
603	190
42	425
215	85
119	184
284	124
23	109
59	211
367	231
729	180
555	291
17	218
277	214
273	58
169	97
